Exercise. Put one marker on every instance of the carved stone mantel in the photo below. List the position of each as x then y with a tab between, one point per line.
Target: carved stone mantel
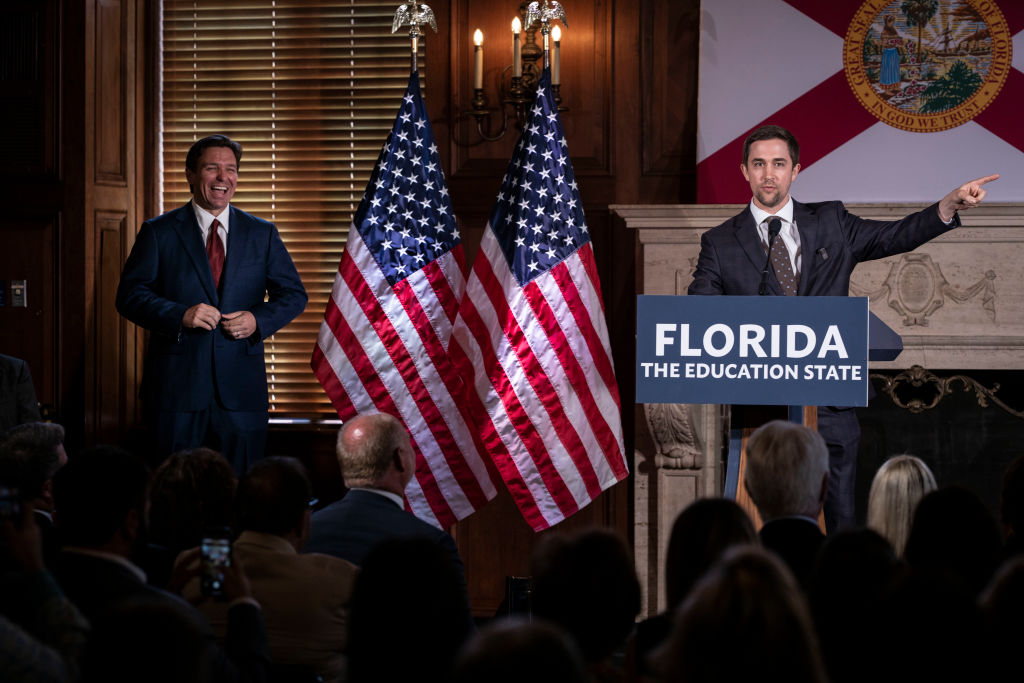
957	302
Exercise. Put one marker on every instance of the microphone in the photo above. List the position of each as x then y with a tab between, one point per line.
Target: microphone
774	226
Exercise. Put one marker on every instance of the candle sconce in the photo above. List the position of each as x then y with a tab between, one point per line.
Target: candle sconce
517	83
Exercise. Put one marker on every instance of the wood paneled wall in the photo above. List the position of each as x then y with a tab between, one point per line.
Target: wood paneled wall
79	113
72	94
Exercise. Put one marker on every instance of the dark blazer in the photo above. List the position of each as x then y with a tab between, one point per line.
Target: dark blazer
832	243
18	403
796	540
96	585
167	272
350	527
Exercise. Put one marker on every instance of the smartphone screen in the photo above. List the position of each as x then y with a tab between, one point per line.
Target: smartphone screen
215	556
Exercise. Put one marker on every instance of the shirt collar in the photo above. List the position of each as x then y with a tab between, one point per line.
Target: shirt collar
205	218
393	497
785	213
110	557
272	542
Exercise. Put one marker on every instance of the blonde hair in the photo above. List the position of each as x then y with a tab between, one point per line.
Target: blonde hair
900	483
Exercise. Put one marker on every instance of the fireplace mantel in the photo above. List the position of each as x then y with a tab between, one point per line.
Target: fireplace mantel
956	301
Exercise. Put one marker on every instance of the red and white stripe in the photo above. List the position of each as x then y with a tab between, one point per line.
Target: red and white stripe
544	391
385	348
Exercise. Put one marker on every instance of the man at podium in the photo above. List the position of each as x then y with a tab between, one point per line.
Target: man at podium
778	246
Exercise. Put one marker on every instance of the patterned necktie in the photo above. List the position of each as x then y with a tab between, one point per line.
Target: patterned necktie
215	252
783	267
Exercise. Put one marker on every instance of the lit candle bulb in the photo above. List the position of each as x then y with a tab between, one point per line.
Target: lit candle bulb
517	58
556	63
478	59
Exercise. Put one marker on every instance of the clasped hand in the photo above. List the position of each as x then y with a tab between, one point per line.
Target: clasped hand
236	325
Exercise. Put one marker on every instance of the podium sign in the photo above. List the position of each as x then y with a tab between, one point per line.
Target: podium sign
752	350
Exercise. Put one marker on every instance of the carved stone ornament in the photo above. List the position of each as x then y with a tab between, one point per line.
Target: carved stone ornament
671	428
917	377
915	288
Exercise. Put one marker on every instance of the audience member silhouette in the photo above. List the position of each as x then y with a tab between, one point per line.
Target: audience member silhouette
586	584
148	639
101	497
515	651
898	486
305	597
745	621
1002	609
1011	508
700	536
408	619
18	403
192	491
30	455
930	626
45	643
954	540
377	462
787	478
854	575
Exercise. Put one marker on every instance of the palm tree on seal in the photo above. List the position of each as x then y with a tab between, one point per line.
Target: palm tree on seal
919	13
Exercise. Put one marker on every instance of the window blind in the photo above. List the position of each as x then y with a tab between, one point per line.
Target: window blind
310	89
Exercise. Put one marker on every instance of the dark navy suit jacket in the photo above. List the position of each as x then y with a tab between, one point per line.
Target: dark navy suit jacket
832	243
18	403
350	527
167	272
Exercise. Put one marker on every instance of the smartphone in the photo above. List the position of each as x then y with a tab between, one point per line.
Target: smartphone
214	558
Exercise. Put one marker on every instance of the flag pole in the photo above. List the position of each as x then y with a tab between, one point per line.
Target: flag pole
535	13
413	15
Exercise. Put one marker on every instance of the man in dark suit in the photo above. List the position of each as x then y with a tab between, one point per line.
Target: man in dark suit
787	477
30	456
101	499
377	462
18	403
196	278
813	253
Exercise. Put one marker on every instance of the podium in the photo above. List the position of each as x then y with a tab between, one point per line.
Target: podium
768	357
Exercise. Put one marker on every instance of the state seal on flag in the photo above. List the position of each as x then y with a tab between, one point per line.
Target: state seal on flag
927	65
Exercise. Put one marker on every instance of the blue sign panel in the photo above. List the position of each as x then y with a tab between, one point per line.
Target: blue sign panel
752	350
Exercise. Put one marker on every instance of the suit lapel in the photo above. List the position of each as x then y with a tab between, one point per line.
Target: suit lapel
238	238
807	226
746	235
192	241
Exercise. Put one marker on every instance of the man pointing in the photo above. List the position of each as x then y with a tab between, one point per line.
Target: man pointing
815	250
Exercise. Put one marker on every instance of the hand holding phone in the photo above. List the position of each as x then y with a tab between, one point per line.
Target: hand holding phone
214	561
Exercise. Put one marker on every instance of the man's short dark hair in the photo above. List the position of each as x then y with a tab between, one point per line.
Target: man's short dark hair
272	496
192	490
773	133
199	146
94	493
29	457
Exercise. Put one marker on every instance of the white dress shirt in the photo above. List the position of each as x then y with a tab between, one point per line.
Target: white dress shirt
205	219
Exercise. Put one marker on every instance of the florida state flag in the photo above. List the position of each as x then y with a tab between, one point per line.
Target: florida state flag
892	100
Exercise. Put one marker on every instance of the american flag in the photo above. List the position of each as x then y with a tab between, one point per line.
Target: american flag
383	344
532	334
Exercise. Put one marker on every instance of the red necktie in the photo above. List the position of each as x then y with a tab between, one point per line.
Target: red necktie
215	252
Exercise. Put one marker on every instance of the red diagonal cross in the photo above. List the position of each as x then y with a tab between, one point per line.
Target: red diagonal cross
847	117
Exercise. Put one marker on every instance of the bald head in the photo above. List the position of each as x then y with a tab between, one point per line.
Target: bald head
374	451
